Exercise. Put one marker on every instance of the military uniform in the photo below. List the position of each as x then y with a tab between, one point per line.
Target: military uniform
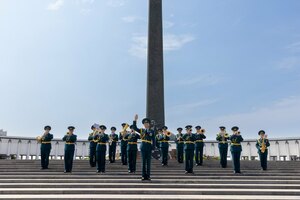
164	147
236	149
113	139
263	156
70	140
124	143
102	139
223	146
132	150
189	148
179	146
199	145
93	144
46	148
147	145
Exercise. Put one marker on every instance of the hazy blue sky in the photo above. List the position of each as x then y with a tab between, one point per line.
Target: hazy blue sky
77	62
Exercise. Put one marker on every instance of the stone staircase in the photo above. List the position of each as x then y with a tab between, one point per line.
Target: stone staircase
23	179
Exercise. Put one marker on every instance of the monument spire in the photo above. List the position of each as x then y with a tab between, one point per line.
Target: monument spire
155	72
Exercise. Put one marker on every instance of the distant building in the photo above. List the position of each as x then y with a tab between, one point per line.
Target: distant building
3	133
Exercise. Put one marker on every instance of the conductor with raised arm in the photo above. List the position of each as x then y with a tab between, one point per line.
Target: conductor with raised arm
147	145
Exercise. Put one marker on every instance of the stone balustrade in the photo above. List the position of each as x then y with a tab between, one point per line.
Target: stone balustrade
28	148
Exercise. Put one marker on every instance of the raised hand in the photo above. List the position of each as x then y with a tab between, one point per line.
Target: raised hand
136	117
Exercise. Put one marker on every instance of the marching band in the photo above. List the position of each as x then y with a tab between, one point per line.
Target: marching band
189	146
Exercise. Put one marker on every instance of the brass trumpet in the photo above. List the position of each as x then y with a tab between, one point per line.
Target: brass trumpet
202	130
168	134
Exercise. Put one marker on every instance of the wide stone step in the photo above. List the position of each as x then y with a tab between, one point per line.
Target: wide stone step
154	177
150	185
156	191
159	181
147	197
23	179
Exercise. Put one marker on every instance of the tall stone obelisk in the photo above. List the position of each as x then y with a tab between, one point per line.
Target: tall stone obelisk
155	73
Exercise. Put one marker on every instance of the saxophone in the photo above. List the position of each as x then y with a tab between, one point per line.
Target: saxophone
263	146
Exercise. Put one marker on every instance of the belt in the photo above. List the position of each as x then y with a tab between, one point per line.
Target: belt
125	140
147	141
164	141
189	142
70	143
94	141
223	142
46	142
132	142
102	143
179	141
199	140
236	144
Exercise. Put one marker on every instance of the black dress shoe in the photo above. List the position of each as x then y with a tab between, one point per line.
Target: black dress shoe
98	171
186	172
144	178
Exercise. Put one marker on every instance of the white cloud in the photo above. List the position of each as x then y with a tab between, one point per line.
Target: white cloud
194	105
171	43
168	24
175	42
201	80
279	118
87	1
289	63
116	3
130	19
294	47
139	46
85	11
56	5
